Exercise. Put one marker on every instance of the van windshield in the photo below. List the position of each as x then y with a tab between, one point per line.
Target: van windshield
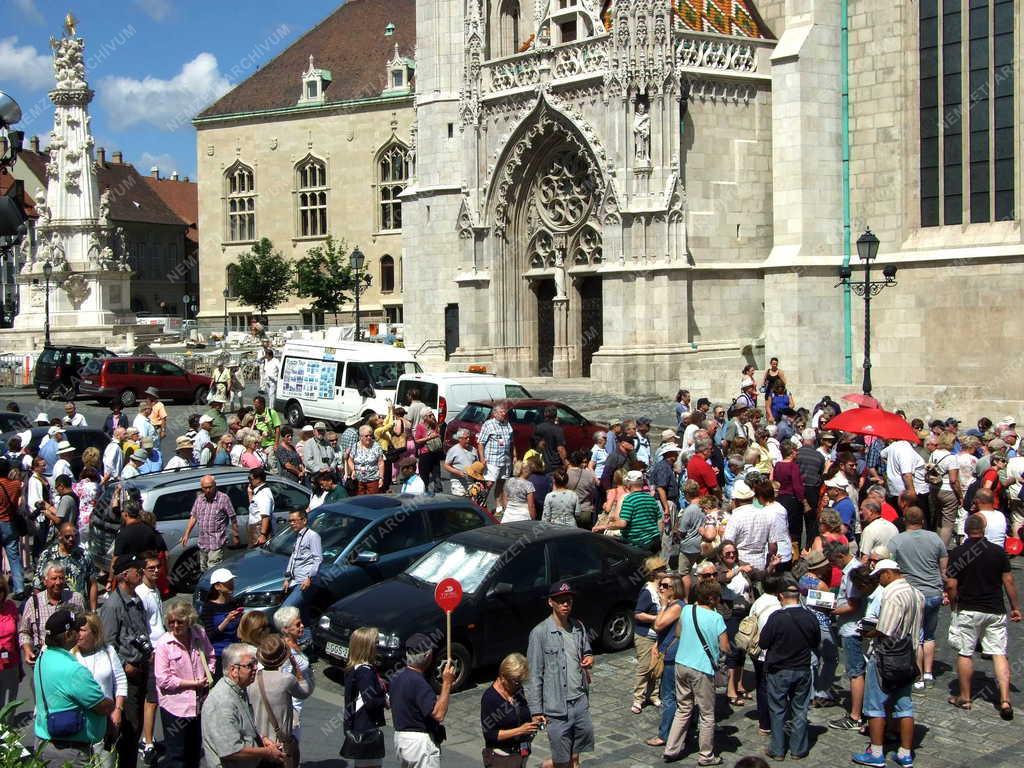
427	390
385	375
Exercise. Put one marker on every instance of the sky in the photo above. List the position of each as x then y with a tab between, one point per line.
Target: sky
154	64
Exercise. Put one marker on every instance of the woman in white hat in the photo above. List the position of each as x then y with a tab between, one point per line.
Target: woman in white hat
62	466
220	614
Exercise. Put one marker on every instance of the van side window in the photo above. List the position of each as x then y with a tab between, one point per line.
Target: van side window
356	376
339	377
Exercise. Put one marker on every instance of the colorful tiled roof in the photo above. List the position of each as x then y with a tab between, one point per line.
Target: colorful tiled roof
724	17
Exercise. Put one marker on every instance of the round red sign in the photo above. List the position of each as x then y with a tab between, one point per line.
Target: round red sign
448	594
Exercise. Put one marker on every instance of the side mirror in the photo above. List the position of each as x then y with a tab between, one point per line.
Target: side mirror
499	589
366	557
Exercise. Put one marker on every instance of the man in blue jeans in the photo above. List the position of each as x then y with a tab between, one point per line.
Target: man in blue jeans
788	639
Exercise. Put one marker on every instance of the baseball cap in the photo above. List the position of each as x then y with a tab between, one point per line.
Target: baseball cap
560	588
644	420
63	621
132	561
885	565
221	576
183	441
320	426
634	476
206	419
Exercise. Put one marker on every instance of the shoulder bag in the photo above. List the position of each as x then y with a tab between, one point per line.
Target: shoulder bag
896	661
700	636
60	725
289	744
360	745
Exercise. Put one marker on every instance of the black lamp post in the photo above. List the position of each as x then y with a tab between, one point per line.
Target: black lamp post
356	260
867	251
47	272
225	294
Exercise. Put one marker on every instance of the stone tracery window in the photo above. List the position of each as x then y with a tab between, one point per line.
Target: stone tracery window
560	212
240	192
392	178
311	183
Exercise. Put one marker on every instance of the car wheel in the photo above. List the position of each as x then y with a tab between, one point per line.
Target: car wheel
127	398
461	660
40	394
200	396
186	573
617	632
293	413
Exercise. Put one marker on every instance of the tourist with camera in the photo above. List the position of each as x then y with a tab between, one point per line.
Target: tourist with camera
126	626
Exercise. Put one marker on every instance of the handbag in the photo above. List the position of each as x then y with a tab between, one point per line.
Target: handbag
59	725
703	642
363	745
289	744
433	444
896	661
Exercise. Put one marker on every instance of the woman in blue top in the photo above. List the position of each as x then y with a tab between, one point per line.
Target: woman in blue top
670	593
220	615
780	400
365	702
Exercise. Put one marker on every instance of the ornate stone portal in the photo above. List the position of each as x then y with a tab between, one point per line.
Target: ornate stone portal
89	286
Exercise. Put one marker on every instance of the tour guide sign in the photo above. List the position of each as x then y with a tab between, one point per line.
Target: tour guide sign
448	595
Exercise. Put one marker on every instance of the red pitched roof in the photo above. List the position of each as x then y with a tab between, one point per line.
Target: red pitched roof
182	197
350	43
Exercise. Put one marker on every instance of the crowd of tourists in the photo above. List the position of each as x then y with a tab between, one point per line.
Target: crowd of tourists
776	548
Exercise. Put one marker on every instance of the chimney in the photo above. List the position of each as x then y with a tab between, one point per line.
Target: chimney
34	143
101	156
117	158
154	172
174	175
186	179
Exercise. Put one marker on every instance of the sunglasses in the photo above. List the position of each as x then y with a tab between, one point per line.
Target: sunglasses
728	554
665	585
705	575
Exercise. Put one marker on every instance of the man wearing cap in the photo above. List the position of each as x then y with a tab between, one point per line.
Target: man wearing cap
616	461
182	458
639	515
218	424
63	685
416	711
72	418
126	628
157	412
558	688
408	481
876	531
212	511
838	491
750	528
789	638
261	508
141	421
64	510
62	466
48	447
154	461
978	574
317	453
901	613
202	443
665	483
134	466
496	448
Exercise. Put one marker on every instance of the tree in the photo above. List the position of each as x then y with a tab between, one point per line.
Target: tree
263	277
325	276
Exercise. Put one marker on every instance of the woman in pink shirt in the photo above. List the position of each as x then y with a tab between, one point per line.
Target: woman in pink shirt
10	654
183	666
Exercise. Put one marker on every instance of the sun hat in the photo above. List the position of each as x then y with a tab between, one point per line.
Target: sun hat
816	559
183	441
668	434
668	448
65	447
153	391
476	470
741	491
42	418
273	653
837	480
885	565
320	426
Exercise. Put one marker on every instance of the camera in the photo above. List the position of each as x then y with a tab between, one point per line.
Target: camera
39	505
142	644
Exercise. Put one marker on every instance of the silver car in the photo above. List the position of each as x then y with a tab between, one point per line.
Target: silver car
169	496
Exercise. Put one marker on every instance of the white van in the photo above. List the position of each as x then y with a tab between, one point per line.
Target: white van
449	393
338	381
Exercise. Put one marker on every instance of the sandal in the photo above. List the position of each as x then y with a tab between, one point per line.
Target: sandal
737	701
636	708
655	741
1006	710
959	703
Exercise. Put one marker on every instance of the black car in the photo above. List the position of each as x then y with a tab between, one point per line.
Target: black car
80	437
11	421
59	369
505	572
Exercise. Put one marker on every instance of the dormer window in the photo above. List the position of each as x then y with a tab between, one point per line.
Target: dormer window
314	83
569	21
400	71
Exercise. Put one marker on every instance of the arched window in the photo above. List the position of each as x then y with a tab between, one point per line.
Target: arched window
392	178
311	184
230	275
387	274
508	27
240	189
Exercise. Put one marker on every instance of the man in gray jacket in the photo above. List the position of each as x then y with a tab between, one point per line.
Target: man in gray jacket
557	690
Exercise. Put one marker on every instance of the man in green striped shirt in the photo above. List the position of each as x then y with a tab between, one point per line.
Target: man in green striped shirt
639	516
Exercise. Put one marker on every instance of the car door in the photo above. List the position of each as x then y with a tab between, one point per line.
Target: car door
239	496
172	381
447	521
396	541
579	561
524	419
514	602
346	396
287	498
575	428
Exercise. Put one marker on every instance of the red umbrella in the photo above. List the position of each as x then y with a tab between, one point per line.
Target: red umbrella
864	401
875	422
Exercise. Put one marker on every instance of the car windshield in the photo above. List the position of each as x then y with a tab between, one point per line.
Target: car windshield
337	530
475	414
385	375
468	565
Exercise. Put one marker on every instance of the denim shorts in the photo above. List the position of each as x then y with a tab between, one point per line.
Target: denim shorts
853	648
932	605
875	698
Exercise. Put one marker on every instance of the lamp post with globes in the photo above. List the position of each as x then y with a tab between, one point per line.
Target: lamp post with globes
356	259
867	251
47	273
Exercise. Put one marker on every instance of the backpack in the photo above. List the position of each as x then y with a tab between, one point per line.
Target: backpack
748	635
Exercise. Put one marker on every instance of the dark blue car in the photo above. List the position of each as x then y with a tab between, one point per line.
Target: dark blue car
365	540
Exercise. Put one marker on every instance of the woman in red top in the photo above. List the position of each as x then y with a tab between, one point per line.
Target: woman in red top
830	526
790	492
10	656
990	480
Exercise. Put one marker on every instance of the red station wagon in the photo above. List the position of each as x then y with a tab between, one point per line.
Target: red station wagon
127	378
524	415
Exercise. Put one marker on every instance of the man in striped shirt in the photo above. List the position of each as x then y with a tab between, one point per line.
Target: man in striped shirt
638	517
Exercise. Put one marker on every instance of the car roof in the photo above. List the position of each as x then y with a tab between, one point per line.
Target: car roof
141	357
41	430
191	476
379	506
456	376
519	402
500	537
77	346
345	351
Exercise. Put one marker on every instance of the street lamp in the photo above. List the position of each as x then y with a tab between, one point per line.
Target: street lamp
225	294
867	251
47	272
356	260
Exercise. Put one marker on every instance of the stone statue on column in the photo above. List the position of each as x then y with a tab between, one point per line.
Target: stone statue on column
560	274
642	132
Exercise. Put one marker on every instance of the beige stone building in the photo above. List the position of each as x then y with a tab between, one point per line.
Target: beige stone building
315	143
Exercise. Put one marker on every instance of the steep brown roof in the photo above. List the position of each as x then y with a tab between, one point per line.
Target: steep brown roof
36	163
6	182
131	198
182	197
350	43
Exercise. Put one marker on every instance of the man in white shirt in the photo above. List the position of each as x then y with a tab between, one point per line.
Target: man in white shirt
261	508
182	458
142	422
113	455
72	418
877	531
269	375
149	594
995	521
904	471
62	466
201	443
750	527
131	470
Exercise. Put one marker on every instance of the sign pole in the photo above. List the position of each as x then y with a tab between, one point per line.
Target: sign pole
448	595
448	616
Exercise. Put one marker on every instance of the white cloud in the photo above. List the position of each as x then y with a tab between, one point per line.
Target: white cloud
163	161
165	104
24	65
158	10
28	10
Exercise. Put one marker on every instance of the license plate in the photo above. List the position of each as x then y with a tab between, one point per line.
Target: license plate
337	650
87	381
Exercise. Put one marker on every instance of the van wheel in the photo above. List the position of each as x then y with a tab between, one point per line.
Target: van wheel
293	413
200	396
128	398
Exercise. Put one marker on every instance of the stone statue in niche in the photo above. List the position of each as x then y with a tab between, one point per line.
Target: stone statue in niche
642	132
560	274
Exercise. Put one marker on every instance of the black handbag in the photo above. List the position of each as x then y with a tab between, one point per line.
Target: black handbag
896	661
363	745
